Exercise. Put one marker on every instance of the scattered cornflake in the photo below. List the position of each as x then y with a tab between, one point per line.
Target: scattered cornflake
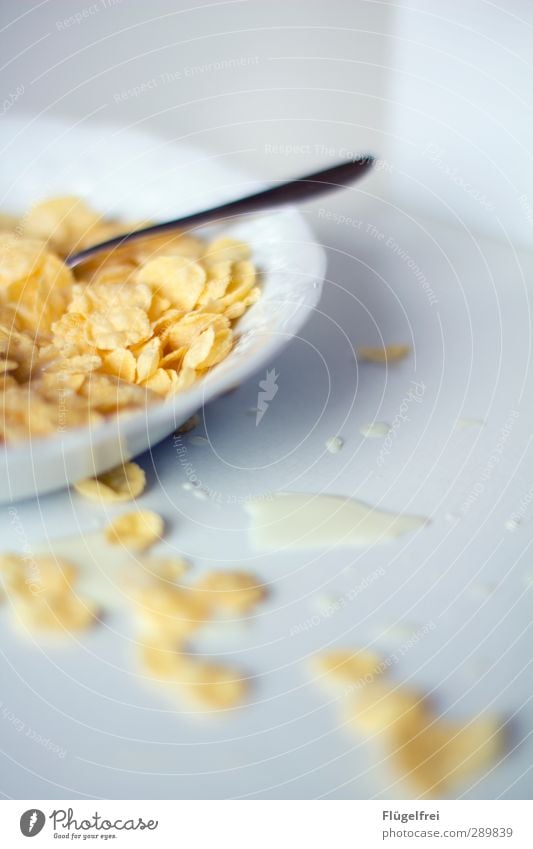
189	424
137	530
121	484
161	659
346	667
431	754
374	430
169	615
236	591
44	594
388	354
212	685
334	444
169	611
168	568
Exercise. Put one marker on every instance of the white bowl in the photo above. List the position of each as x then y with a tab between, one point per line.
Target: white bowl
135	174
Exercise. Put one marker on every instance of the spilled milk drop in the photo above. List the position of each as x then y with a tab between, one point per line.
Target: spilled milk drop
306	520
375	430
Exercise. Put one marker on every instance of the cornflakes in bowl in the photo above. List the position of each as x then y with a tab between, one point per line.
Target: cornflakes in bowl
100	363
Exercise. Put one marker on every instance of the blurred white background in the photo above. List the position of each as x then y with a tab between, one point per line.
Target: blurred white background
442	91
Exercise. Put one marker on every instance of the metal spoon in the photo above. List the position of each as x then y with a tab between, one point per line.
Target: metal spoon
296	191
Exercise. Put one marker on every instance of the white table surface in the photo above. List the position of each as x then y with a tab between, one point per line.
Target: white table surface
465	574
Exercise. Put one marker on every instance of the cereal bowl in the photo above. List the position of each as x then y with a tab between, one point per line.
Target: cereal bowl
132	174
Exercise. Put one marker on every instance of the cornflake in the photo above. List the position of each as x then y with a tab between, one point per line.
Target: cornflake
167	568
121	484
430	753
169	615
234	591
189	424
211	685
44	595
136	530
388	354
142	322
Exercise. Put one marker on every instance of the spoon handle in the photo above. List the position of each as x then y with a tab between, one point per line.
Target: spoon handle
295	191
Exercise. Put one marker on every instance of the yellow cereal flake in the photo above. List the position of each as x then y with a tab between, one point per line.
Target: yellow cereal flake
166	320
388	354
242	283
189	424
199	350
184	332
212	685
65	222
137	530
39	411
185	379
44	596
163	660
236	591
432	754
174	360
170	611
66	612
121	363
160	381
379	706
148	359
169	615
121	484
168	245
167	568
8	365
235	311
348	667
176	278
218	280
226	249
113	272
43	593
158	308
118	327
77	364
